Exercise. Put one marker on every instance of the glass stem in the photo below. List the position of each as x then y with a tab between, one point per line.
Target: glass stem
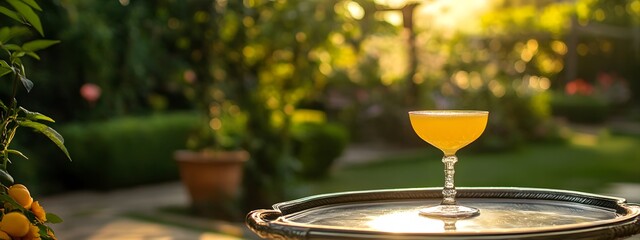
449	190
450	224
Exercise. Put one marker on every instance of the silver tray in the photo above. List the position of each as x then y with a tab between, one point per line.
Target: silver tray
505	213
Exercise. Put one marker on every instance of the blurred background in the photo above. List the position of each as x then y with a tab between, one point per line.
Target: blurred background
317	92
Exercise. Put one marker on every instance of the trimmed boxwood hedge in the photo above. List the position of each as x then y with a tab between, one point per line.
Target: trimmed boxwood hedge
117	153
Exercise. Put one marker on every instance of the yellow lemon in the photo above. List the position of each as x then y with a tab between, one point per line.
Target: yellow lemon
15	224
21	194
4	236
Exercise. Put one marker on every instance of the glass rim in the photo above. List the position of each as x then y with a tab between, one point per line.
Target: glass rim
449	112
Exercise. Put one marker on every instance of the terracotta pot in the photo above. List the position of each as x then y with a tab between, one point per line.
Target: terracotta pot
212	178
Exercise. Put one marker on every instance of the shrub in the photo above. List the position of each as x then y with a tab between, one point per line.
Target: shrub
317	145
122	152
514	119
580	108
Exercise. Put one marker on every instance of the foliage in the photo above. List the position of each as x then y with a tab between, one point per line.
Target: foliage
270	78
197	30
126	51
110	154
12	115
317	145
527	17
584	102
253	60
508	77
580	108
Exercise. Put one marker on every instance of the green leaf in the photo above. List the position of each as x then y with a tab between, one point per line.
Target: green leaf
4	63
36	116
8	199
4	71
18	31
18	54
36	45
33	55
28	14
42	230
28	84
33	4
12	47
5	177
16	152
5	34
16	61
52	218
54	136
9	13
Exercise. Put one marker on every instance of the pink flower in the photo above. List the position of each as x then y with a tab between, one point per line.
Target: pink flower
90	92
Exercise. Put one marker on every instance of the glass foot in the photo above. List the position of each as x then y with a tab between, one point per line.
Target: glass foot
449	211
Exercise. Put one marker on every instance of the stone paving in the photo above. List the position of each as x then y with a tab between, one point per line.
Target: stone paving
107	215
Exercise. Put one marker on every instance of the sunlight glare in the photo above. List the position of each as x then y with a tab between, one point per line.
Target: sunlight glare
496	88
545	83
392	3
461	78
356	11
406	221
520	66
460	15
475	80
393	18
559	47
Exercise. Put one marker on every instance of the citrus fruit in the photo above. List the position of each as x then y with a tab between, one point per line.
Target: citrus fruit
4	236
34	233
39	211
15	224
21	194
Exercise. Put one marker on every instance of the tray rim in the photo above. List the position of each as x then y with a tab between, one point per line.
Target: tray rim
629	214
284	207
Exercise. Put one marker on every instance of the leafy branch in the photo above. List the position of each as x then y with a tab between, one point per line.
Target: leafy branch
13	116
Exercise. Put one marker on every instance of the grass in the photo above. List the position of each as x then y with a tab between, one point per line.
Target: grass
586	163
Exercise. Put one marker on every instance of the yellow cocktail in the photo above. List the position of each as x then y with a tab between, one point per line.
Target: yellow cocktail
449	130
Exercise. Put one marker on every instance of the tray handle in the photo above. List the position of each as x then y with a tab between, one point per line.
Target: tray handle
264	223
636	224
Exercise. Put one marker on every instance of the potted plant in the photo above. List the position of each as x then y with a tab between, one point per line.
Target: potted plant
212	168
212	165
21	217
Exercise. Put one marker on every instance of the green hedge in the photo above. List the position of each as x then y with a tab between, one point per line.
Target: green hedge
580	108
317	146
122	152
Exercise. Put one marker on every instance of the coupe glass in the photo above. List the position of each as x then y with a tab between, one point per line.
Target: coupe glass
449	130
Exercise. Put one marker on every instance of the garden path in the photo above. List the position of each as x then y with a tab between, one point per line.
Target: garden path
125	214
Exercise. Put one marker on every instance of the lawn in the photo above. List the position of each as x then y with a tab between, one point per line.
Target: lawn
586	162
